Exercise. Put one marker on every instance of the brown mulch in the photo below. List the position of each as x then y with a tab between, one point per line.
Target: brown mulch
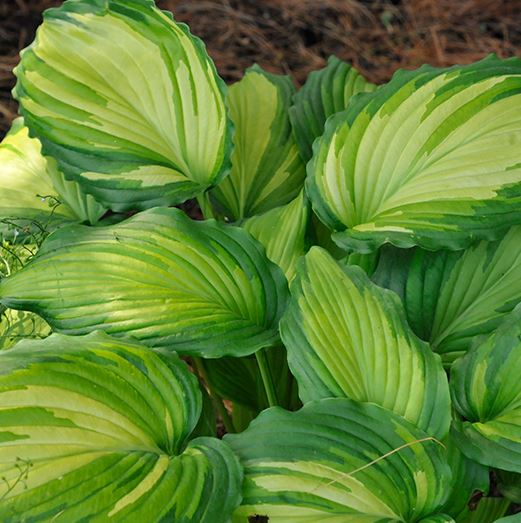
297	36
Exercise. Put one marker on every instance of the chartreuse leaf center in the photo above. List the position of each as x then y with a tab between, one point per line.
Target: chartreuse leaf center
282	231
201	288
97	428
342	461
429	159
34	191
347	337
267	170
127	101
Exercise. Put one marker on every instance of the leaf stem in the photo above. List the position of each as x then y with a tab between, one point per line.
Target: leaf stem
204	204
267	379
214	396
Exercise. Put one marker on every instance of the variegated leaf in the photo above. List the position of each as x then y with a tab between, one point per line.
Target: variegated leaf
340	461
451	297
16	326
33	190
432	158
486	392
97	429
326	92
346	337
127	101
267	170
201	288
282	231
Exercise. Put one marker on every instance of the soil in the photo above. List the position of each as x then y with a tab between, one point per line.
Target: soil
296	36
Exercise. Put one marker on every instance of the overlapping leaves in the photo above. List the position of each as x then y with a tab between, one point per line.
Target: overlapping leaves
95	428
487	394
128	106
468	479
282	231
19	325
239	380
33	192
326	92
267	170
451	297
127	101
346	337
341	461
200	288
431	159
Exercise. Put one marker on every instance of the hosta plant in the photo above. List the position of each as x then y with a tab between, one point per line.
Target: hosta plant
337	339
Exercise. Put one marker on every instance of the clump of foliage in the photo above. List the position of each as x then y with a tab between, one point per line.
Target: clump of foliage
348	308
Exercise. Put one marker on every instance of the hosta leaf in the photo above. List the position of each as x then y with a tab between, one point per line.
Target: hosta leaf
432	158
392	270
367	262
200	288
18	325
452	297
95	429
325	92
321	236
341	461
236	379
267	170
488	511
16	252
516	518
282	231
242	417
33	190
127	101
346	337
468	477
70	193
207	425
486	392
26	188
